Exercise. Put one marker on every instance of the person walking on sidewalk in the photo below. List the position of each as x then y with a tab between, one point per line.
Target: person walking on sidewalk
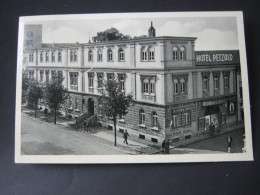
163	146
229	141
85	125
45	111
125	136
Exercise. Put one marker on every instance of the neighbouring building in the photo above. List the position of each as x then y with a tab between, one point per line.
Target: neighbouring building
177	92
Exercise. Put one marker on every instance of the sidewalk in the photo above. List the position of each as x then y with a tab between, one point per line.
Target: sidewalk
134	146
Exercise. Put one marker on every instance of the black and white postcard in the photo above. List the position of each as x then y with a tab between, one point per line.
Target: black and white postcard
132	88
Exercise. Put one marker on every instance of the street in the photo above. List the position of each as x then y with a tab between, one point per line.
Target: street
41	138
219	143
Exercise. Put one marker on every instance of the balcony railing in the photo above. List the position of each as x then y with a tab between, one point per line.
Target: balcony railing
149	97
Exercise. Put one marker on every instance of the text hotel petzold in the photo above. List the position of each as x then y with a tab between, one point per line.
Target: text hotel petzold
214	57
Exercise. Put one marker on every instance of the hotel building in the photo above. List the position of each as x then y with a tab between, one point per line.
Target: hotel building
177	92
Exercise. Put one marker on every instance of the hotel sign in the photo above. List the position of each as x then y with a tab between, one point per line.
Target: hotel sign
217	57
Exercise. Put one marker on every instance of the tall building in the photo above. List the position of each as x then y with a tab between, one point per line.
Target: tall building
177	92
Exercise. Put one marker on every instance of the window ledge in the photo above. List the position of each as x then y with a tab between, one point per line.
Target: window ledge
155	128
142	125
77	110
121	120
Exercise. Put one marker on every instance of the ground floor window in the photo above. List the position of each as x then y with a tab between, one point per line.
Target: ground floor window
141	117
154	120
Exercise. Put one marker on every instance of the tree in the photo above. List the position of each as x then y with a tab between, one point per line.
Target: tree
111	35
55	93
25	86
114	102
34	95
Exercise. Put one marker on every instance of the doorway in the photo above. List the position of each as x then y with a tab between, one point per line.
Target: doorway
90	107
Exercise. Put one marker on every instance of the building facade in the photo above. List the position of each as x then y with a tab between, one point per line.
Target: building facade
177	92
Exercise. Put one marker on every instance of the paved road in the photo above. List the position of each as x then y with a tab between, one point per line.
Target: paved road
219	143
41	138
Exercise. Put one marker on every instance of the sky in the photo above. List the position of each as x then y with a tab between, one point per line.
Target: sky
213	33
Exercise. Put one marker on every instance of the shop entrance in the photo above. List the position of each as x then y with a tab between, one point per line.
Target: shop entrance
212	115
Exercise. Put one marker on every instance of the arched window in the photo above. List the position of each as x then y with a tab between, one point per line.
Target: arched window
182	85
59	56
175	53
41	57
75	56
144	54
109	55
175	86
141	117
76	104
90	55
152	86
121	54
145	86
71	56
151	53
47	57
99	55
52	56
154	119
182	53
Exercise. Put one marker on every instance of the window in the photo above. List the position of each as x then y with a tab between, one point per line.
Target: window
186	117
60	74
99	55
47	75
31	74
41	75
90	55
53	73
52	56
174	121
226	82
41	57
121	54
183	85
182	53
100	109
175	86
70	103
152	86
142	117
121	79
144	54
31	57
154	119
205	85
148	84
151	53
110	76
71	56
91	82
175	53
76	104
74	81
46	57
216	83
59	56
145	86
100	80
231	108
110	55
75	56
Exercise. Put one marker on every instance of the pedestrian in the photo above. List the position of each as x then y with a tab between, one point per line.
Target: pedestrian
213	128
163	146
45	111
229	141
85	125
167	147
89	126
125	136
